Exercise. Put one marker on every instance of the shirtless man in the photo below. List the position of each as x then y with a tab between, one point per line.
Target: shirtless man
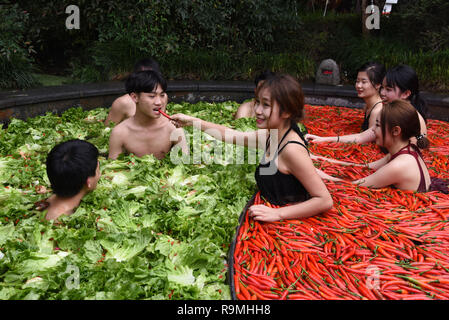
124	107
73	170
147	131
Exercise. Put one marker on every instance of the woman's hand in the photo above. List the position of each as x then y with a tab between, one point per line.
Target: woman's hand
182	120
314	138
261	212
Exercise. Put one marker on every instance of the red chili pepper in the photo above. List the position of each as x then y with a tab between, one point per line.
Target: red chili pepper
164	114
328	255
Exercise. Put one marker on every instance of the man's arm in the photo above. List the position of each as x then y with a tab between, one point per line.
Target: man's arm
115	143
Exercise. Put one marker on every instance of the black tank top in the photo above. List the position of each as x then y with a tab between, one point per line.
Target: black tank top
277	187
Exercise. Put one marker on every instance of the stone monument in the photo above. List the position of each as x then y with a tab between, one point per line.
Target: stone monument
328	73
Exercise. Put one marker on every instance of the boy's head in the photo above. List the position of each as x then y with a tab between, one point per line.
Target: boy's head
263	76
145	81
146	64
71	166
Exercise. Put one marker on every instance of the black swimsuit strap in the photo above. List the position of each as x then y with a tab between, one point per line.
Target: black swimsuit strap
292	141
372	108
283	137
375	105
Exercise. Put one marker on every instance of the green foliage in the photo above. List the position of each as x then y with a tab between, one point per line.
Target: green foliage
218	39
423	23
222	65
15	48
152	229
431	67
167	28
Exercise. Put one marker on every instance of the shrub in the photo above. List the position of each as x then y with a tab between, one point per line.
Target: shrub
15	49
423	23
220	64
161	28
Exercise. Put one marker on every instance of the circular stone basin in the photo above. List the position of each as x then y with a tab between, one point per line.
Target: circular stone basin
56	99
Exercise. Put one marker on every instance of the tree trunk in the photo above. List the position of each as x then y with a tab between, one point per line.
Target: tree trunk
365	30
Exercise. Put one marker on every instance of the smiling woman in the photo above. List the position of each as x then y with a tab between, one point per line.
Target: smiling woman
403	166
286	175
157	230
401	82
368	83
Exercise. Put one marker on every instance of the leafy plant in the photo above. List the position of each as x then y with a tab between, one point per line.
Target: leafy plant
152	229
423	23
15	49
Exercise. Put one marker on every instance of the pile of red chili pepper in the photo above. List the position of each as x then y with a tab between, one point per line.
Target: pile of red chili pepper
373	244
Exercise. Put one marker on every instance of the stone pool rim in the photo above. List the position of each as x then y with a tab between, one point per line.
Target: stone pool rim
23	104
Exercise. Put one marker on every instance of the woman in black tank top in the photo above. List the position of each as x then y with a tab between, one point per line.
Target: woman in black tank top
286	175
281	188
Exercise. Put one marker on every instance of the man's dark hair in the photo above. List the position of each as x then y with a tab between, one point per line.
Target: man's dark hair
147	64
145	81
69	164
263	76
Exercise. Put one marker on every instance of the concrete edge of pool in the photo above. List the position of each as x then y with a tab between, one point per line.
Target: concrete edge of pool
23	104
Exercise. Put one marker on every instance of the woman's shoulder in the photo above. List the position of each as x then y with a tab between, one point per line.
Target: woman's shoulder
245	110
294	147
401	163
377	108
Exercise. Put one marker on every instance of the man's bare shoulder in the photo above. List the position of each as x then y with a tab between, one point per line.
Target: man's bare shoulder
170	126
124	101
123	127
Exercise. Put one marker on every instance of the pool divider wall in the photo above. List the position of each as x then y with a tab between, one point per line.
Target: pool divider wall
33	102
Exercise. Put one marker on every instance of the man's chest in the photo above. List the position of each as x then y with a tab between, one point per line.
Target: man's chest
143	143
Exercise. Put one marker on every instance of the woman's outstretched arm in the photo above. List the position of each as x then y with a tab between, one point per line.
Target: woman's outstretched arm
252	139
362	137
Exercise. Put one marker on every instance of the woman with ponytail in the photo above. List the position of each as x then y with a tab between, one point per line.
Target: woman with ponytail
398	130
400	82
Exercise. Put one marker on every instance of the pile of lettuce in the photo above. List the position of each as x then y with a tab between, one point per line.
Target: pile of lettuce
151	230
